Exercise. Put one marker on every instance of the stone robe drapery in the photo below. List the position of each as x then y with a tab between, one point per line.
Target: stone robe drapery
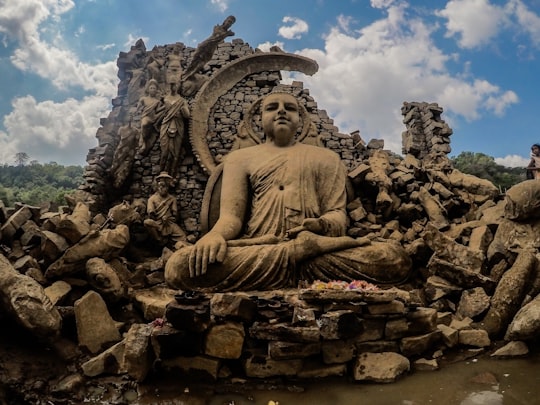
298	182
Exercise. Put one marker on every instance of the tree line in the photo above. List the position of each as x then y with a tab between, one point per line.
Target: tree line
35	183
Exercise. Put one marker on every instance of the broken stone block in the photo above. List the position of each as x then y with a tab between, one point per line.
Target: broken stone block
526	323
394	307
75	226
281	331
462	276
108	362
474	337
341	351
153	301
278	350
14	223
57	291
260	365
377	346
421	320
340	325
380	367
25	300
373	330
194	318
52	246
396	328
473	303
480	238
303	316
437	287
235	306
138	355
225	341
512	349
449	336
104	279
416	345
426	365
509	293
95	327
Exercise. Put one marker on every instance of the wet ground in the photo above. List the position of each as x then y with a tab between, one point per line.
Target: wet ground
28	371
477	381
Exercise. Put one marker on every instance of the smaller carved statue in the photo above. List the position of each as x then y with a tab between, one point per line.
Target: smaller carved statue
244	138
147	108
124	154
162	211
172	112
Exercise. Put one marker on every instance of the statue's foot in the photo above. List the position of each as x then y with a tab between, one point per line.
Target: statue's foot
308	244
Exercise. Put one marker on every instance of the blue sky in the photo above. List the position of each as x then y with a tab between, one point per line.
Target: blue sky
478	59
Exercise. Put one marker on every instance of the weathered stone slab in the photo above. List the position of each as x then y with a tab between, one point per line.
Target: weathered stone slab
474	337
340	325
348	295
291	350
108	362
285	332
153	301
526	323
262	366
236	306
338	351
312	370
225	341
95	327
473	303
380	367
512	349
25	300
57	291
510	293
194	318
449	336
459	275
138	354
209	366
416	345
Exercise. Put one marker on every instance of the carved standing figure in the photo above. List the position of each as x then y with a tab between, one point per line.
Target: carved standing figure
294	197
162	211
173	111
147	106
124	154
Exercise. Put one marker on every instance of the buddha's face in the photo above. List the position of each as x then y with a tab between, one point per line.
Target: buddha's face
280	118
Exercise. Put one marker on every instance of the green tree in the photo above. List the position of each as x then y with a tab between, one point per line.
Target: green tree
485	167
21	158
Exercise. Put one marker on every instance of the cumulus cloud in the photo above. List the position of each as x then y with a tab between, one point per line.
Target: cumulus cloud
295	29
475	22
512	161
50	130
265	46
527	21
364	77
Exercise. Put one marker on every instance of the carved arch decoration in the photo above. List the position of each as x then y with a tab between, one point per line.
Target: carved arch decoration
225	79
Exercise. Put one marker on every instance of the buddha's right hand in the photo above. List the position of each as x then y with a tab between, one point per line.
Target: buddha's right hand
211	248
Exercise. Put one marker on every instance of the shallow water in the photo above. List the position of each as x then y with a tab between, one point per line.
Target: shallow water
516	382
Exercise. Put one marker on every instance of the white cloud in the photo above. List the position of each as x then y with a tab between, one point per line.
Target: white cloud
50	131
527	21
222	5
265	46
296	28
475	22
365	77
513	161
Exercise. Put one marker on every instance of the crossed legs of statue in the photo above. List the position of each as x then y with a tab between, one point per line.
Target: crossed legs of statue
309	257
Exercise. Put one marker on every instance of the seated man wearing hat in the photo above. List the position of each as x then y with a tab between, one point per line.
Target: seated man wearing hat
162	211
